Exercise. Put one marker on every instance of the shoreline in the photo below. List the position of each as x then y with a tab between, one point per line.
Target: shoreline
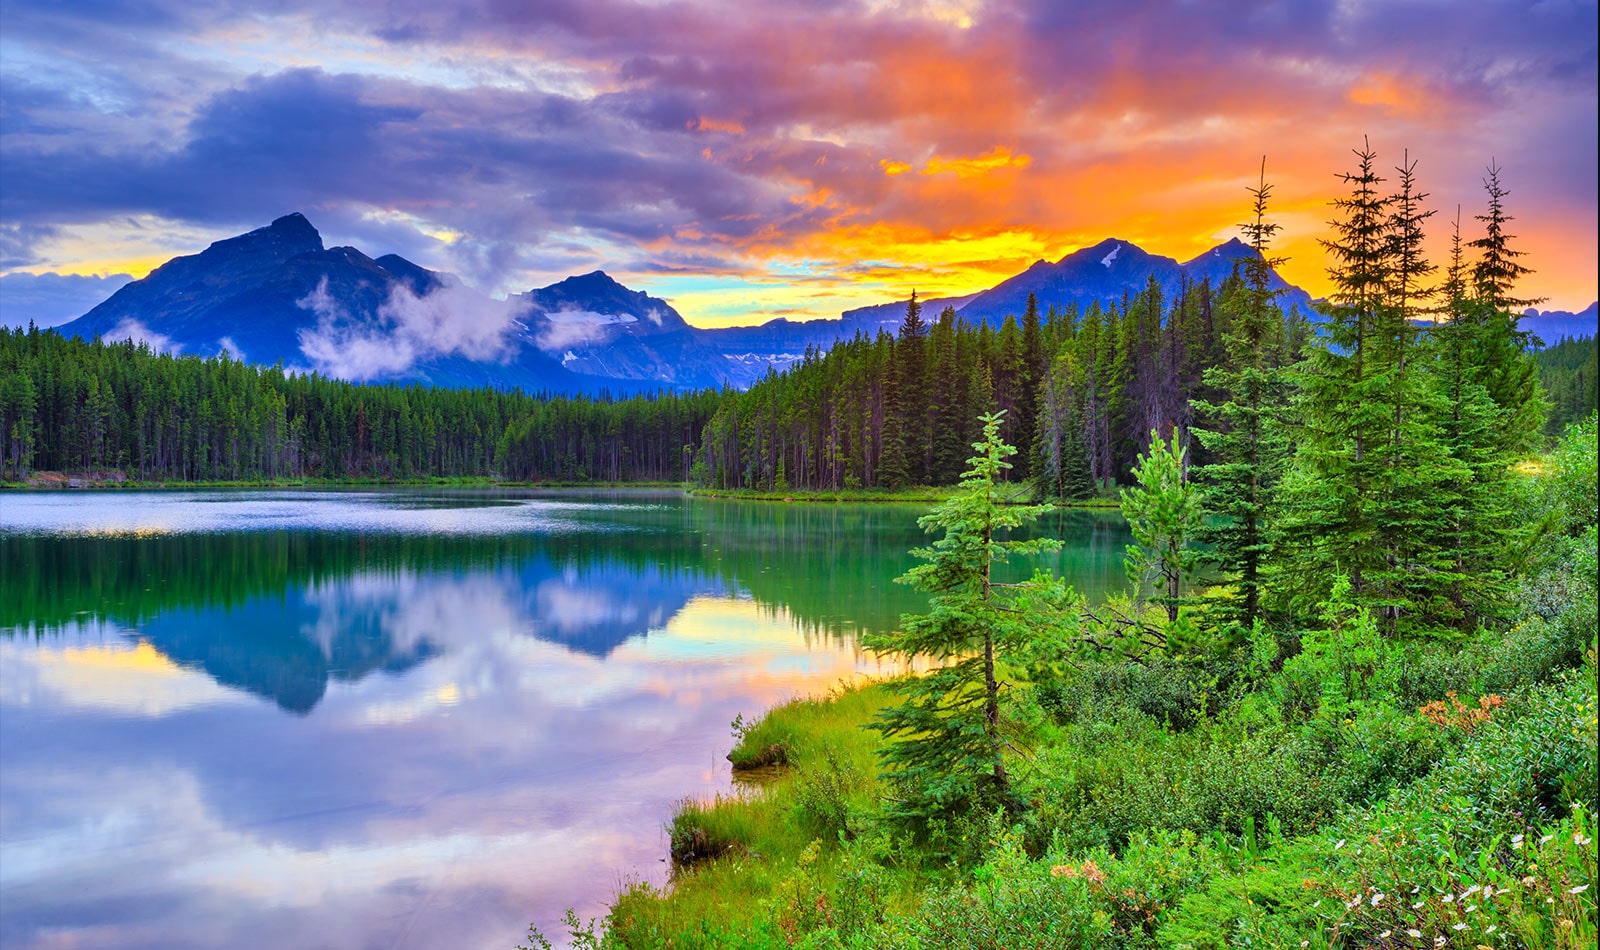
118	481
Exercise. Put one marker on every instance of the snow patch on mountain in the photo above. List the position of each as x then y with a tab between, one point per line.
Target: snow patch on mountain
1111	257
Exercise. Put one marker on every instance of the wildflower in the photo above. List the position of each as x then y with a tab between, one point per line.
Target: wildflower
1385	935
1490	929
1471	908
1470	891
1447	899
1459	927
1528	879
1418	905
1376	898
1414	932
1578	890
1339	845
1546	839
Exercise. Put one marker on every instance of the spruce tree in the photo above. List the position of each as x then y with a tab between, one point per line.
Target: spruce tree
1032	372
1497	267
1326	525
948	738
1245	446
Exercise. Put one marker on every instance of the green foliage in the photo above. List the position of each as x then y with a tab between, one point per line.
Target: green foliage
1163	509
949	737
1569	371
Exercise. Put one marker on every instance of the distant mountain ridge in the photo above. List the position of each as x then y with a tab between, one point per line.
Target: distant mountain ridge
1550	326
277	294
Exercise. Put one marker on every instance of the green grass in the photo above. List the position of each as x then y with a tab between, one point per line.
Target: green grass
763	834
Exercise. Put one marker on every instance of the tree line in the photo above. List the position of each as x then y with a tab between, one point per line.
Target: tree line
72	405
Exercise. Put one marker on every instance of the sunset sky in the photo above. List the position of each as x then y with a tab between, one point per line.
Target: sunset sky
748	159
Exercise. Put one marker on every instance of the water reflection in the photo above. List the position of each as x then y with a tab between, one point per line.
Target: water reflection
485	726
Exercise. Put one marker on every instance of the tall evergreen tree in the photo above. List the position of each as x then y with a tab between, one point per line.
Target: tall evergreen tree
947	752
1326	528
1245	445
1033	366
1497	268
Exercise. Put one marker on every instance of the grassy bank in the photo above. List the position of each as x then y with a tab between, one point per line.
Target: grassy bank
1154	824
735	856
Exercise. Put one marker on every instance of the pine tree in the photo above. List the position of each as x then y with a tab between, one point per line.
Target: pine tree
1326	526
1032	373
1497	268
1246	448
947	752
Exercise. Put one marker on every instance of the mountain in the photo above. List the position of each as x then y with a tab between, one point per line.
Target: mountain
1551	325
278	295
1109	271
600	328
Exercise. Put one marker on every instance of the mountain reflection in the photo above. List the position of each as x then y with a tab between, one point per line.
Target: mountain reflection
282	613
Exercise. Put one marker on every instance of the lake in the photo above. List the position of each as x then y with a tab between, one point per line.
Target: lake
402	718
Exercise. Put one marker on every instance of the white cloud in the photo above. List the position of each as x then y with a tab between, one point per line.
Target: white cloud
568	328
232	349
452	319
131	329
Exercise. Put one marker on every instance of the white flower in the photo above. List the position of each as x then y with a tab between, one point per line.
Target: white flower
1339	845
1470	891
1546	839
1578	890
1385	935
1418	905
1471	908
1459	927
1376	898
1490	929
1415	933
1448	898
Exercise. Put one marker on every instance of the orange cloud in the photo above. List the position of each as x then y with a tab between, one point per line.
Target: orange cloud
706	124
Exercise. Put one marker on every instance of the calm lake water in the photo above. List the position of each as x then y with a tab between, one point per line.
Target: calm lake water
401	718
